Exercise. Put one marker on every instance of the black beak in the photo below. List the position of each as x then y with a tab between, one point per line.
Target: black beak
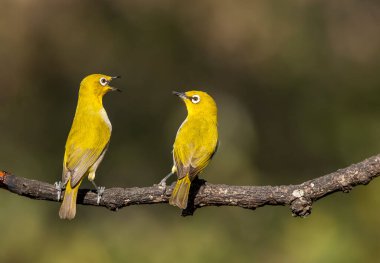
182	95
112	88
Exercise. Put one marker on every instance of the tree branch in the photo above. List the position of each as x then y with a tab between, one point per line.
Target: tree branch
298	197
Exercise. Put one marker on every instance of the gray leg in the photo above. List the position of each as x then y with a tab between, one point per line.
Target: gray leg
99	190
162	183
59	186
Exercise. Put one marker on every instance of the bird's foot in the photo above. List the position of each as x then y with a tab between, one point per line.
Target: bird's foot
100	190
162	184
58	186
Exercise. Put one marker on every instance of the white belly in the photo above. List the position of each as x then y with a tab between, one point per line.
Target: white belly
104	116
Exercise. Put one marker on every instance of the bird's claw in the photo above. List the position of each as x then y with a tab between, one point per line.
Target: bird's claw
162	184
58	187
100	191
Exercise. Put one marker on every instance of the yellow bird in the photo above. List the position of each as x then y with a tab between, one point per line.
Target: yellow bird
195	144
87	141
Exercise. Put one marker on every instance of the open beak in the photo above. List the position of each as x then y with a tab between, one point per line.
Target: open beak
112	88
182	95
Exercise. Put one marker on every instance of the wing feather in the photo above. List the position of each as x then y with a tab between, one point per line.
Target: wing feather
83	150
194	147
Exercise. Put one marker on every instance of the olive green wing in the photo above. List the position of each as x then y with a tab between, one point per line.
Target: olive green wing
193	149
77	164
182	160
79	159
202	158
181	150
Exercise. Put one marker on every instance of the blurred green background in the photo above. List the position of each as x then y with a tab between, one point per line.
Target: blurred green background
297	84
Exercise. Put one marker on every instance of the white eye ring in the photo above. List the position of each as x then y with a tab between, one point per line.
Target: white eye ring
195	99
103	81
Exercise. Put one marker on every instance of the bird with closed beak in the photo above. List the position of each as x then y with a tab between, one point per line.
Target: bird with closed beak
195	144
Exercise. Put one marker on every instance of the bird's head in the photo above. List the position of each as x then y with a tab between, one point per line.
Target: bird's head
97	84
198	102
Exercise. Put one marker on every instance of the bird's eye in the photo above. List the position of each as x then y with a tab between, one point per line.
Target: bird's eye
103	81
195	99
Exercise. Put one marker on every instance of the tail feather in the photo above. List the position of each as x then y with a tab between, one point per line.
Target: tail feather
69	203
180	193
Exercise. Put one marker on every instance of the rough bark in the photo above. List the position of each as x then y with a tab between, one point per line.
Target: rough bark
298	197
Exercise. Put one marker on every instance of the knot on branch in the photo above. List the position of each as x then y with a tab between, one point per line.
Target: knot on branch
344	183
301	207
